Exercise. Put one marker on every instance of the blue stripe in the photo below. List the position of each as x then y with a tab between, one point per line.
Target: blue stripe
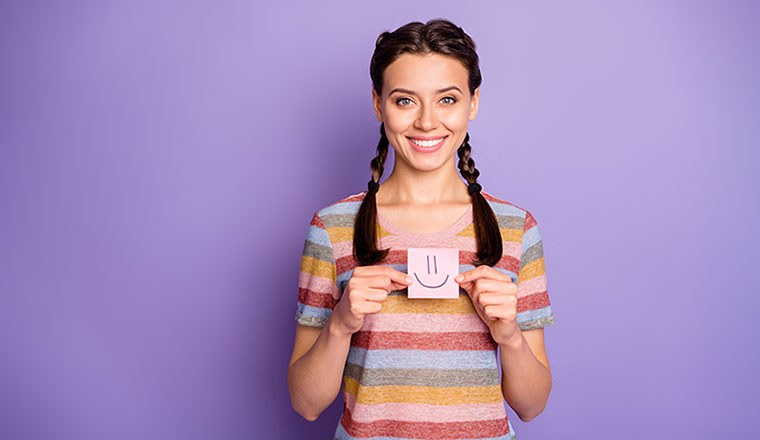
530	237
436	359
319	236
318	312
504	209
530	315
341	434
341	208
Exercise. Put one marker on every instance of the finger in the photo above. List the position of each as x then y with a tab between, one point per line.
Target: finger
375	295
398	279
496	312
482	271
505	313
385	282
496	299
368	307
497	286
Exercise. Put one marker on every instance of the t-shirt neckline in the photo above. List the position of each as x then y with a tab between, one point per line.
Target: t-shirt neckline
453	229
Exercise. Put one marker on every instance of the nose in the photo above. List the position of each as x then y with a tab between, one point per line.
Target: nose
426	119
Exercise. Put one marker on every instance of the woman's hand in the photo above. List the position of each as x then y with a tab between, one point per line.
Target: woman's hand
365	293
494	297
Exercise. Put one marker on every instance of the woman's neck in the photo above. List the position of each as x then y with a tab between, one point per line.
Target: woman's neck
406	186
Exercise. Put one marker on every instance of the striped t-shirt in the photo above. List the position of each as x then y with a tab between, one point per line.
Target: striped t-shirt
421	368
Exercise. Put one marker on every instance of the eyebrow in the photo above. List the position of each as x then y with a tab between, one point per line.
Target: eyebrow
410	92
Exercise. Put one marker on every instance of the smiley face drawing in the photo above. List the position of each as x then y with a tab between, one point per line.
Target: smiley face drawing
433	271
435	268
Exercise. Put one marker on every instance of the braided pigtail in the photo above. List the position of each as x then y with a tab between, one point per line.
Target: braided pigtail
365	224
487	230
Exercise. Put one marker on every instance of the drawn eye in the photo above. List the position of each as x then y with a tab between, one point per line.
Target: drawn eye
435	264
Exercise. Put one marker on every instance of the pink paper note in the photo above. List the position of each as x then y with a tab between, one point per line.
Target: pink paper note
433	271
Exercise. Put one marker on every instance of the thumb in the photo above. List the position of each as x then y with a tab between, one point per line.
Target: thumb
467	286
400	281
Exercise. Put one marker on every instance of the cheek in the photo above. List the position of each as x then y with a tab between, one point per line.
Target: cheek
398	121
457	120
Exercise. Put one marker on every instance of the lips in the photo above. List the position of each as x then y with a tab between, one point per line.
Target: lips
426	149
426	138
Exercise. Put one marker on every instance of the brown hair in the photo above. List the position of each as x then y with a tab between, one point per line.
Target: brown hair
444	37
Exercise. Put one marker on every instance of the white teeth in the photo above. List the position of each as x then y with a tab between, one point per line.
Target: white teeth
426	143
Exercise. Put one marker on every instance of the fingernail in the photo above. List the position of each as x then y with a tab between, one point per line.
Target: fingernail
408	279
459	277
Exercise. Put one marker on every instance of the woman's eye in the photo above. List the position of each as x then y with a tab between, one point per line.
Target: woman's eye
401	101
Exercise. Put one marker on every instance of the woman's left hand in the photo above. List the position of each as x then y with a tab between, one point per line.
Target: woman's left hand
494	297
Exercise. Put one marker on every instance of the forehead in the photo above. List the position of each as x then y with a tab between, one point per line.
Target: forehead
425	73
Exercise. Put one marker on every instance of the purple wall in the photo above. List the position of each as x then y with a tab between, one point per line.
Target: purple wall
160	162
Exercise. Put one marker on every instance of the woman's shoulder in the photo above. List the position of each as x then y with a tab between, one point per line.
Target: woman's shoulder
341	211
503	207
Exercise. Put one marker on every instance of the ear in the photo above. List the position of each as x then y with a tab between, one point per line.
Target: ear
474	104
377	105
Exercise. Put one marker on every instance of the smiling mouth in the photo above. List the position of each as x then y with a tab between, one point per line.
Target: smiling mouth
431	287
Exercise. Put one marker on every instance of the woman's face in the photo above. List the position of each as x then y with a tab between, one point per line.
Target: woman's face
425	97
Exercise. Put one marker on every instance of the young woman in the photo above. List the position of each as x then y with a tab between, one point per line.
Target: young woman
422	368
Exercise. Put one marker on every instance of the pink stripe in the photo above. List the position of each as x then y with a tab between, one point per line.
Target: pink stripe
318	284
512	248
421	412
400	242
343	249
533	285
413	322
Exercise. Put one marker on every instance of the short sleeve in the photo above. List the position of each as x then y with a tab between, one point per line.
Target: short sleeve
318	291
533	307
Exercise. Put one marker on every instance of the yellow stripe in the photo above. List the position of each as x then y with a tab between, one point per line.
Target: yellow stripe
532	270
338	234
418	394
513	235
404	304
317	267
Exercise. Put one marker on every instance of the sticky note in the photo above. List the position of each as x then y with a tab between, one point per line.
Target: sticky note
433	271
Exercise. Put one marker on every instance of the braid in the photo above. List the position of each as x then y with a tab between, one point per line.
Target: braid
487	232
378	162
365	224
466	163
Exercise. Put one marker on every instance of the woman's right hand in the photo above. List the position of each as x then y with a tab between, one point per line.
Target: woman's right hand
365	293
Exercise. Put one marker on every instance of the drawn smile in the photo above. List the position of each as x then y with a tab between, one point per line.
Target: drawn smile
431	287
435	266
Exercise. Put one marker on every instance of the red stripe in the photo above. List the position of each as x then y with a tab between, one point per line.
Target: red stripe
424	341
529	221
316	299
345	264
510	263
443	430
316	221
534	301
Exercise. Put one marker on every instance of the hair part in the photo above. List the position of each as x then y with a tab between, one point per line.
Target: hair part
443	37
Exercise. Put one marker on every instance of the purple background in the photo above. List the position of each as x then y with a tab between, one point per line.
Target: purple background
160	162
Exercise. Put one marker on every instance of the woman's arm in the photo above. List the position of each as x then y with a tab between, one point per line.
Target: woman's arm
526	379
316	367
